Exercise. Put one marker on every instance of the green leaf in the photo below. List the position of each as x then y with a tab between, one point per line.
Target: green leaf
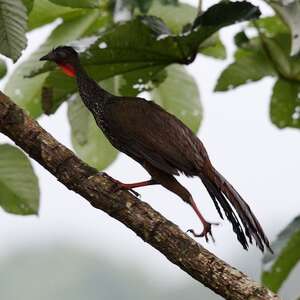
26	92
87	139
44	12
143	43
175	16
28	4
277	267
179	95
249	65
19	190
223	14
277	48
3	68
285	104
271	26
135	82
278	51
13	20
77	3
290	14
213	47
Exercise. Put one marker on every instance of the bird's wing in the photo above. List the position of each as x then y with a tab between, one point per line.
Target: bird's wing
146	132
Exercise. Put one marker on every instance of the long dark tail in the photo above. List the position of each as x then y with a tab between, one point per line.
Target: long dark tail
237	211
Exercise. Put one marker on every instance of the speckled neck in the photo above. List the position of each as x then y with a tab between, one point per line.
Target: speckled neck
93	95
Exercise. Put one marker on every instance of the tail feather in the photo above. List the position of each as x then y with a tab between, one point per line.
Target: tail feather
244	223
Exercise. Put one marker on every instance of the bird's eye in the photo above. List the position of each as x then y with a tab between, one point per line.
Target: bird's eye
62	55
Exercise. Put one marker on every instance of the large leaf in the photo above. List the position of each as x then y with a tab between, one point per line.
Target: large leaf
13	20
3	68
26	92
277	267
285	104
179	95
19	190
251	64
146	42
289	11
77	3
87	139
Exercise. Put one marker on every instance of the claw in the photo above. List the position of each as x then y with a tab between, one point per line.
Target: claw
206	231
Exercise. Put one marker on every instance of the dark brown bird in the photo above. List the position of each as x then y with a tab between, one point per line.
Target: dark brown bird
164	146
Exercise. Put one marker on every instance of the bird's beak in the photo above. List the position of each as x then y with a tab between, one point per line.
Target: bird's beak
48	56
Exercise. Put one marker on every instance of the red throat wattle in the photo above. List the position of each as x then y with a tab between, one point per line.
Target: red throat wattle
67	69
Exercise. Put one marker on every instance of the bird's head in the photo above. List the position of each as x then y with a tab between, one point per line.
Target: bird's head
65	57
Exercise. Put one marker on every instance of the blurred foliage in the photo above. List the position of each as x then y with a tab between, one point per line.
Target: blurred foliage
171	95
277	267
19	191
268	54
86	137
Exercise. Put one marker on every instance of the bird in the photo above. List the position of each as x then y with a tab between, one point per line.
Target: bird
164	146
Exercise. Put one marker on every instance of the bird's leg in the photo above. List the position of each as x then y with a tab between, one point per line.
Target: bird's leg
206	225
130	186
118	185
169	182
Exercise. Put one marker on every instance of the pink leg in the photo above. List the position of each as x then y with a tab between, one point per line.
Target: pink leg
206	225
129	186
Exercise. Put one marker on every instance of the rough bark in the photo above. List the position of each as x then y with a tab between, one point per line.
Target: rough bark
137	215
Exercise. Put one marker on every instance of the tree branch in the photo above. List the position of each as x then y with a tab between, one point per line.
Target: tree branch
137	215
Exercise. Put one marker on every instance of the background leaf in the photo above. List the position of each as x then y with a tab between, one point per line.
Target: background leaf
13	25
19	190
179	95
87	139
285	104
277	267
251	64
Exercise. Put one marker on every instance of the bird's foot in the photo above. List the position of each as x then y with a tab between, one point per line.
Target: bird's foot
120	186
207	226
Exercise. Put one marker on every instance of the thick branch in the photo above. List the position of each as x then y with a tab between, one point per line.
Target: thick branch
148	224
